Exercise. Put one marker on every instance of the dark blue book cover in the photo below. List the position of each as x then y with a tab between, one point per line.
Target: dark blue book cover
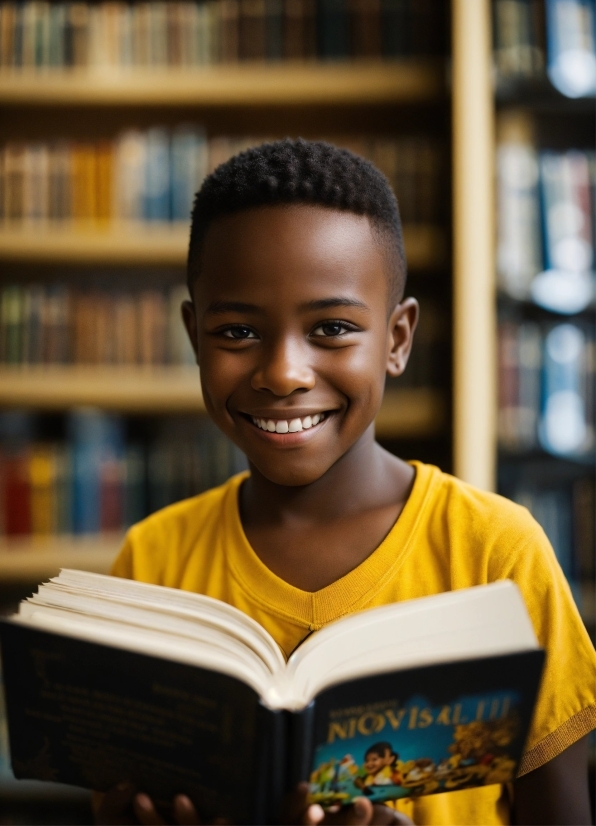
94	715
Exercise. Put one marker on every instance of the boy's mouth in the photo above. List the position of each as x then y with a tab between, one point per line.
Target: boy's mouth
296	425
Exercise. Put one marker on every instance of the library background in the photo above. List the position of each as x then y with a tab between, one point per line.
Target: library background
480	113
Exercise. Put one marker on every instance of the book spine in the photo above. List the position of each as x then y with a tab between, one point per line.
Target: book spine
394	28
252	36
274	29
333	31
301	738
269	764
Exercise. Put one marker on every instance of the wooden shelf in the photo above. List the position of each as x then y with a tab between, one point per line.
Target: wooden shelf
252	84
407	412
157	244
129	389
33	559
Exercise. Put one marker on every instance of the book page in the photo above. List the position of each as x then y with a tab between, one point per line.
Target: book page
176	602
473	622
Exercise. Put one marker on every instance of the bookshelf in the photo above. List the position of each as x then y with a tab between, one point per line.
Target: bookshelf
488	112
31	560
411	412
252	84
158	244
309	97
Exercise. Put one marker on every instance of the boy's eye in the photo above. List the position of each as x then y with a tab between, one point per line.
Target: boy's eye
331	329
239	331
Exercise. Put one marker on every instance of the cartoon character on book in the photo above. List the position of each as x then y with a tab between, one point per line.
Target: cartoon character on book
380	768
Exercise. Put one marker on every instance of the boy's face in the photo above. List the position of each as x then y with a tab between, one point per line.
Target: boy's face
373	762
290	326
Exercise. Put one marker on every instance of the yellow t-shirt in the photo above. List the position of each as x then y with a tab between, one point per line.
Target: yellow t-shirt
448	536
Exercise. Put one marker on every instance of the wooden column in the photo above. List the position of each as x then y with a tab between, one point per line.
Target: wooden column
474	332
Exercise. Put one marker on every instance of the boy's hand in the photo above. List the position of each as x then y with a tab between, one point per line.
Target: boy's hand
124	805
360	813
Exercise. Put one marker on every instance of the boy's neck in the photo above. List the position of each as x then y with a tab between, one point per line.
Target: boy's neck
313	535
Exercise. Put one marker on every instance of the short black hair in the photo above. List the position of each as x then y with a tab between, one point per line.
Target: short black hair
381	749
301	172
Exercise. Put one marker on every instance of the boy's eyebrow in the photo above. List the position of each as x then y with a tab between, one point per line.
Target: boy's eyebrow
336	301
221	307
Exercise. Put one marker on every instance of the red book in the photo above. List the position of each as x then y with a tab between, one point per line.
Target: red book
111	494
17	494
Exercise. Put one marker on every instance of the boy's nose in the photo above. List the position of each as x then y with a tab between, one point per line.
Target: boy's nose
284	369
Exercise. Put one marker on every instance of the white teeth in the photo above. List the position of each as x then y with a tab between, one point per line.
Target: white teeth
288	425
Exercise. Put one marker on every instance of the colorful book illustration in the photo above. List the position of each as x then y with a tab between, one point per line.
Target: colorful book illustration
182	693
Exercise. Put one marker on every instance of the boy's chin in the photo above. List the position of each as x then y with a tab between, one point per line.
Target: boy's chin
290	475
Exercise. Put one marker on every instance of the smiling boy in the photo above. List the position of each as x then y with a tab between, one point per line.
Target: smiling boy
296	275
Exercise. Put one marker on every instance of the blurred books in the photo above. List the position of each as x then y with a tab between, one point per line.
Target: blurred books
546	387
152	175
102	473
535	39
149	34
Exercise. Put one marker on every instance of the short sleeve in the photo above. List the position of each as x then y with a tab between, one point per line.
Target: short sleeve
122	565
566	706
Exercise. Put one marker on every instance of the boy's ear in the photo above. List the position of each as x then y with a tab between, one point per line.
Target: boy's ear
190	322
402	323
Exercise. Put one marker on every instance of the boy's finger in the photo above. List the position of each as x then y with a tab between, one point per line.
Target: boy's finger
185	812
115	806
313	816
146	811
385	816
295	805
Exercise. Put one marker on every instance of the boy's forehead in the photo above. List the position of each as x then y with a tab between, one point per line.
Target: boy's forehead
285	245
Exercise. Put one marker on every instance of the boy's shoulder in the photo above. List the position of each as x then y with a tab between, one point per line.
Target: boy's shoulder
467	506
193	512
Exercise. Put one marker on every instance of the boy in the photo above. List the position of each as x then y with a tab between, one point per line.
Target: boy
296	275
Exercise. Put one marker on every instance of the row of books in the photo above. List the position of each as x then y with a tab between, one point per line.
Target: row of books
546	232
55	324
556	37
124	34
97	479
58	324
546	387
153	175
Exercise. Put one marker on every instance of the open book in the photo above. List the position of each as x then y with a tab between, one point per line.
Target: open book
110	680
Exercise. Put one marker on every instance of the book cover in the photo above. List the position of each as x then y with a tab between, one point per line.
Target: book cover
110	680
93	716
423	731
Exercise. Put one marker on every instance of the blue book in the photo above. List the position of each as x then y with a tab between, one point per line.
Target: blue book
563	428
94	438
189	167
570	46
156	206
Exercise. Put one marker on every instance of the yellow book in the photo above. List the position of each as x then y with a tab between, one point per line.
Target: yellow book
104	167
84	190
42	479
